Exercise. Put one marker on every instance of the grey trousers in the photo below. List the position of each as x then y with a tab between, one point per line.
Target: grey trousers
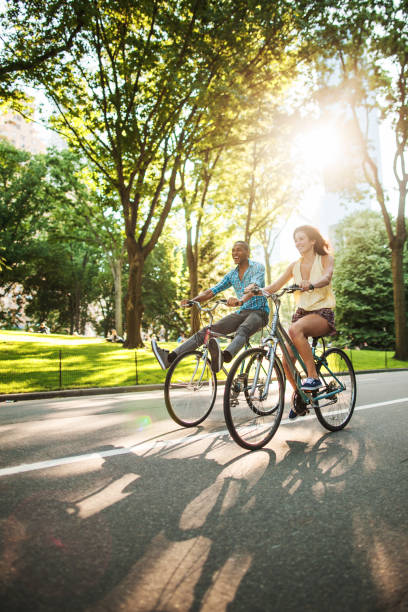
244	323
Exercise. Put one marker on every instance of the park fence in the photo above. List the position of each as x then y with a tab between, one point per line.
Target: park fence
58	369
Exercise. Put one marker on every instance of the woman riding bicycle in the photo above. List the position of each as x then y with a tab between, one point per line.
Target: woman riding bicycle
315	302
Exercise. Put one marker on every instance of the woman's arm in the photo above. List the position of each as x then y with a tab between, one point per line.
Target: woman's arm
328	264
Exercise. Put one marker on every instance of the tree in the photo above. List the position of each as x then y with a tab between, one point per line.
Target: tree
35	34
200	212
61	282
163	287
135	85
369	43
24	195
91	214
46	249
363	282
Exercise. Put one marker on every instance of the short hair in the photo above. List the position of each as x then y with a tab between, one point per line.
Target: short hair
245	244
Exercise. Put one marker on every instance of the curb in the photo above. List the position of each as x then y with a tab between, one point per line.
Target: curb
76	392
107	390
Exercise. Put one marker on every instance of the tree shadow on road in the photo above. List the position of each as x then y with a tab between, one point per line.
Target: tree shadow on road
193	524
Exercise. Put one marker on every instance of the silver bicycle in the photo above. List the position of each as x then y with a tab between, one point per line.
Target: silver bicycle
190	388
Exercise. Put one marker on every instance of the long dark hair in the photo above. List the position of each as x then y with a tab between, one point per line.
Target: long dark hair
321	246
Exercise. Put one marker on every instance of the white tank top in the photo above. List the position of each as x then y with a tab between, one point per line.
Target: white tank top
322	297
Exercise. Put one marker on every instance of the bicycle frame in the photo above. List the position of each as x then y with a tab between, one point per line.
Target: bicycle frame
208	335
279	337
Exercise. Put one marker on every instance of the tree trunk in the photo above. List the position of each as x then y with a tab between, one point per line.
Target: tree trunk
116	269
192	265
134	305
268	269
401	330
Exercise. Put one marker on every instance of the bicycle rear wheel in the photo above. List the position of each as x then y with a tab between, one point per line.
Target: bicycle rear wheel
336	372
253	416
190	389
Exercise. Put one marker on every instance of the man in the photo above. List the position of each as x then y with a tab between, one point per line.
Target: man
251	316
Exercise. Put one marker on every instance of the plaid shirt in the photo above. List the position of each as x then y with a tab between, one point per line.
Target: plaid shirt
254	274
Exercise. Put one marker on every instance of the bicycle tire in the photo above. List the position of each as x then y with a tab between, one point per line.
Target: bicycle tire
189	399
334	414
252	420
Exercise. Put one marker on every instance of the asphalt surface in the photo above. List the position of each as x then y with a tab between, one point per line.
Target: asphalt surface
106	504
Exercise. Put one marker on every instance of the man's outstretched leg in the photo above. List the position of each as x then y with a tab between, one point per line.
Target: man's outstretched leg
250	321
226	325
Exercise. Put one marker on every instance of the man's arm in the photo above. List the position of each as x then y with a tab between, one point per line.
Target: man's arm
206	295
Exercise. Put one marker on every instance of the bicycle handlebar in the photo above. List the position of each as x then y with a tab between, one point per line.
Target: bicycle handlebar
290	289
195	303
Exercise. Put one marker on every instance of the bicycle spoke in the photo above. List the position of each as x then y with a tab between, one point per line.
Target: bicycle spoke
190	389
253	406
335	401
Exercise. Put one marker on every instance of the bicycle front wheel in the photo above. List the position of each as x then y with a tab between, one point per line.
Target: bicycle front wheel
336	372
190	389
252	411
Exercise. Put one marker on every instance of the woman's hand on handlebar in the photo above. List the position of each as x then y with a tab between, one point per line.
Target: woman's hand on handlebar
304	285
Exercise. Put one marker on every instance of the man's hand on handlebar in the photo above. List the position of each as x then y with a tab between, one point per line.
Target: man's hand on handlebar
233	301
252	288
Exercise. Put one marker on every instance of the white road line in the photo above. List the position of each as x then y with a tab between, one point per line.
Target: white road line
142	446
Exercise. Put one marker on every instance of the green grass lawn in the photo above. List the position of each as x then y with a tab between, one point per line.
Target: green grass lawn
31	362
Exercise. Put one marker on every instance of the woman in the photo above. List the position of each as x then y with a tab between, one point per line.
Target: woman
314	315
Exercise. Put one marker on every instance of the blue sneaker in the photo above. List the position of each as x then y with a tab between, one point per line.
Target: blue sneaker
299	406
312	384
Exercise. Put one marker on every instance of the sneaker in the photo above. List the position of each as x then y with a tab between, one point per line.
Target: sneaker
311	384
299	406
216	354
162	355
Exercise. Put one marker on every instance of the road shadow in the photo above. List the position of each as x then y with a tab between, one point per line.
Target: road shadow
179	525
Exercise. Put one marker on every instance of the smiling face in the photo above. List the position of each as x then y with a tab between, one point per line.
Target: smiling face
240	253
303	243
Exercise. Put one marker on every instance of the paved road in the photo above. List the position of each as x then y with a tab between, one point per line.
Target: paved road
106	504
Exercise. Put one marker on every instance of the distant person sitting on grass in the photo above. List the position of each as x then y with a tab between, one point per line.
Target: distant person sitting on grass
248	319
43	329
113	337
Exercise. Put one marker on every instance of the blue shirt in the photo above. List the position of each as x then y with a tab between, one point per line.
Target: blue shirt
255	273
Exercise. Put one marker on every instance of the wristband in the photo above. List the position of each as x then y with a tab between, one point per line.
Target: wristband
311	286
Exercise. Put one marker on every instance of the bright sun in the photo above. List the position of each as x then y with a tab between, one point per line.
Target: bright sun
320	147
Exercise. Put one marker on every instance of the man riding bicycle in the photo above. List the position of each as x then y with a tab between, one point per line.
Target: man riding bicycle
251	316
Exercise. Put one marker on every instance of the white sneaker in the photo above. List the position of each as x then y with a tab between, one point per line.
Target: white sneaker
216	354
162	355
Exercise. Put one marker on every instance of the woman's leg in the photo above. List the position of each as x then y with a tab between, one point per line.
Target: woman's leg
288	372
309	325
